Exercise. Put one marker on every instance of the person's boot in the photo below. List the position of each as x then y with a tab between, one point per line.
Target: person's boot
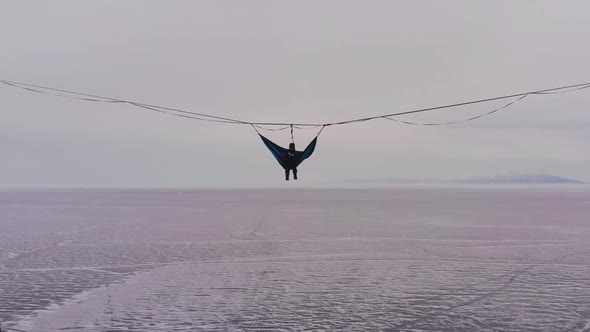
295	174
287	175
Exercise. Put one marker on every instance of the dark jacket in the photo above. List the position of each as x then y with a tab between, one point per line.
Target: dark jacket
290	158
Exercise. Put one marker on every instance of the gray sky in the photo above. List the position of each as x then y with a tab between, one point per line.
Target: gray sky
300	61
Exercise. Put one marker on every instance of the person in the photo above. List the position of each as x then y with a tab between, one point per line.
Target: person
289	160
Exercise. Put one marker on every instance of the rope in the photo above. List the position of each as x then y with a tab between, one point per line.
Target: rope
269	129
459	121
215	118
307	127
176	114
96	98
60	95
558	92
319	132
254	126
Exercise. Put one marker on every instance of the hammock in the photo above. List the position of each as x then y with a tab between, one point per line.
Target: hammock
280	153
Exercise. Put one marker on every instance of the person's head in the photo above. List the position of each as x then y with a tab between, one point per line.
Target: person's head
292	146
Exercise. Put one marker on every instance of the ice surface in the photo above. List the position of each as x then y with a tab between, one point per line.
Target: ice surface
412	259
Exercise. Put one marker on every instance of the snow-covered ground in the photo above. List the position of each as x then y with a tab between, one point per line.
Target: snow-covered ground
408	259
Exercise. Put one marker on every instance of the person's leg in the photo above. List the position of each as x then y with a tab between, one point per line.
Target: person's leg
286	174
295	173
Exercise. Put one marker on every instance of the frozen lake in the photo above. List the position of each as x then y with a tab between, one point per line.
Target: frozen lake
408	259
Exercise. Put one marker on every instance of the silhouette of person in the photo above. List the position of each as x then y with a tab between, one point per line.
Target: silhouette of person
289	160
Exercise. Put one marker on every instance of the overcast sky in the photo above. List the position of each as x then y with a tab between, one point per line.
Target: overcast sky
290	61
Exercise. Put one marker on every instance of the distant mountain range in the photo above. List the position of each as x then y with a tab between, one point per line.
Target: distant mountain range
520	178
516	178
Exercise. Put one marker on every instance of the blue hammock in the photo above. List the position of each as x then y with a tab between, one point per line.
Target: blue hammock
280	153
